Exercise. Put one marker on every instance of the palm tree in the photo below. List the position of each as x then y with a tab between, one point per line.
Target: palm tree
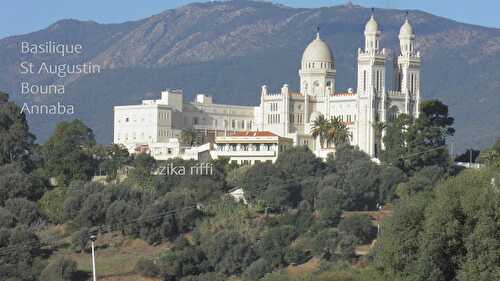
378	128
320	129
332	131
337	132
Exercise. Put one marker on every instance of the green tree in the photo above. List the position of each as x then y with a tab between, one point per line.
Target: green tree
189	137
25	211
156	225
447	233
51	205
275	243
389	178
337	132
332	131
184	262
228	252
77	193
257	270
111	159
320	129
80	239
7	219
412	145
265	184
395	140
67	153
325	243
15	182
142	174
427	136
61	269
123	216
360	227
93	210
16	142
299	162
19	258
331	200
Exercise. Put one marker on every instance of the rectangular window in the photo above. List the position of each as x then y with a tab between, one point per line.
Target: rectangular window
364	80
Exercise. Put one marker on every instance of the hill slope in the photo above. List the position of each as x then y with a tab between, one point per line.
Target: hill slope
228	49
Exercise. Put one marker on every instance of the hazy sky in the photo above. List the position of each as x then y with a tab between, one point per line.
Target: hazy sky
23	16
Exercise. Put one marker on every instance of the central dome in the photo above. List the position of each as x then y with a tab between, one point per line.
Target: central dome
317	51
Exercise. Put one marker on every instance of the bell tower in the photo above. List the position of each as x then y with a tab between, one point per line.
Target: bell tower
408	69
371	89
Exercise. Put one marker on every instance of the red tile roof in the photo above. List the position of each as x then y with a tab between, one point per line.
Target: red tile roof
253	134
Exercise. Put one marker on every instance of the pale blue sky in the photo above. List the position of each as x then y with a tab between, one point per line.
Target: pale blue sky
23	16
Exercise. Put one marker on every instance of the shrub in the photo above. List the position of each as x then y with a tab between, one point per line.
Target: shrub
147	268
359	226
325	243
123	216
24	210
295	255
7	220
80	239
51	205
228	252
257	270
61	269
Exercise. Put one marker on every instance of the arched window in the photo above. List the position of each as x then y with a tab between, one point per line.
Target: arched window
315	87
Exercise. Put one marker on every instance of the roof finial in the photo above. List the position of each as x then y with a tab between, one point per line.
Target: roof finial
317	32
406	17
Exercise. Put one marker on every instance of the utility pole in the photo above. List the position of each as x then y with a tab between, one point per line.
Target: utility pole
92	239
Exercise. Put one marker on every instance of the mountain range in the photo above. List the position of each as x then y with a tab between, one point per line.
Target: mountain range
228	49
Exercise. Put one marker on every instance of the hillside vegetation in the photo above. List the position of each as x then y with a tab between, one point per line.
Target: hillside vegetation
305	219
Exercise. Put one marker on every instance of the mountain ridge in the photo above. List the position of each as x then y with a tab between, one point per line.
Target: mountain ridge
229	49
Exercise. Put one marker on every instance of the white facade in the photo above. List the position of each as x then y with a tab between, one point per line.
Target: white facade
288	113
250	147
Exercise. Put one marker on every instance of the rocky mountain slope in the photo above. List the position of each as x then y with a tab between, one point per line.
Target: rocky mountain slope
229	49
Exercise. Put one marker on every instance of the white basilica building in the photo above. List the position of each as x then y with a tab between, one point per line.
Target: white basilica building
289	114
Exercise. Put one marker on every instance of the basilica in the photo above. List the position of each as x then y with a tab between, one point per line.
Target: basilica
288	113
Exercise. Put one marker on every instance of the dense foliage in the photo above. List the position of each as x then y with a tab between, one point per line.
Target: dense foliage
299	210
